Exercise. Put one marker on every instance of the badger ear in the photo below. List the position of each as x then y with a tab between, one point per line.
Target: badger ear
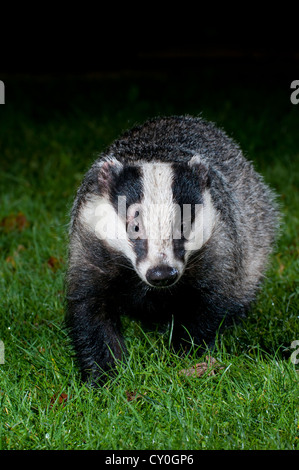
108	168
195	160
201	169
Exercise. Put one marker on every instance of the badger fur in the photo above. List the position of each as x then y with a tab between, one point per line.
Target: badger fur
171	223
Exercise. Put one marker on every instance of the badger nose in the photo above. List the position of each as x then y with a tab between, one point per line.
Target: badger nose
162	276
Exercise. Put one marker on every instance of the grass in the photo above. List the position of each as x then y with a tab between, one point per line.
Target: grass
49	134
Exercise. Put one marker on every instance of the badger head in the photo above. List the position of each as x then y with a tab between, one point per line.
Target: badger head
156	214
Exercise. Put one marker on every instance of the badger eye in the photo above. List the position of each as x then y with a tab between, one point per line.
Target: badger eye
134	222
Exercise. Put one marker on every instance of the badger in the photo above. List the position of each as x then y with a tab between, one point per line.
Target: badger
171	224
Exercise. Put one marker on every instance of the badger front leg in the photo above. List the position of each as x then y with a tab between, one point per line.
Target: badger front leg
94	330
96	338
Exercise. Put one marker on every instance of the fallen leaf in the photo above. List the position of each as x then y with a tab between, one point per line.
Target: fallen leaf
132	396
202	367
54	263
14	222
62	399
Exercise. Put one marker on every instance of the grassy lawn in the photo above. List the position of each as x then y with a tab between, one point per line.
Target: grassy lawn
50	132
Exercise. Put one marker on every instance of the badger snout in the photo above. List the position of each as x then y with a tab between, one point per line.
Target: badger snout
162	276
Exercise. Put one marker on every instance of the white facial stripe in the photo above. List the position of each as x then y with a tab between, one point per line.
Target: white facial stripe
157	205
158	210
99	216
157	202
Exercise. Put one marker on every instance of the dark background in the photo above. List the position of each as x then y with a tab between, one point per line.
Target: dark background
247	42
218	53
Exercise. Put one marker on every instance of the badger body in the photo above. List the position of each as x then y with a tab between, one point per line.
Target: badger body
171	223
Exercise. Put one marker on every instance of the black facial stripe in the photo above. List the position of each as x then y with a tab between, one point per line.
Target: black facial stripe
187	186
128	183
140	247
179	249
187	189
